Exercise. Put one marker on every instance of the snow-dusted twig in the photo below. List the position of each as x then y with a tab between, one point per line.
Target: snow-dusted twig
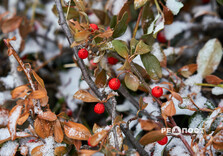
90	82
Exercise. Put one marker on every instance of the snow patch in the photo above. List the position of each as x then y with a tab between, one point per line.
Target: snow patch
174	6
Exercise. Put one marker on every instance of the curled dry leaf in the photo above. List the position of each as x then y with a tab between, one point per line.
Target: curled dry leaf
44	101
76	131
188	70
48	115
168	108
61	150
58	132
37	151
42	128
212	79
4	115
23	118
38	79
142	104
177	96
108	33
11	24
95	128
85	96
82	35
86	152
218	141
20	91
97	137
147	125
77	144
38	94
151	137
13	119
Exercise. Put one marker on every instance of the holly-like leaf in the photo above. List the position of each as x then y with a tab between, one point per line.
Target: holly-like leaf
131	81
121	48
168	108
151	137
76	131
152	65
212	79
85	96
121	27
139	3
142	48
20	91
188	70
209	57
14	115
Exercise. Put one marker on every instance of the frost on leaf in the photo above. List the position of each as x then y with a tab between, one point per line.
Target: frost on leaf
13	118
9	148
209	57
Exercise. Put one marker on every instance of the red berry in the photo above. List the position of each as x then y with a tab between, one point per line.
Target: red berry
32	140
205	1
114	83
92	63
83	53
94	27
163	141
112	60
157	91
69	112
161	37
99	108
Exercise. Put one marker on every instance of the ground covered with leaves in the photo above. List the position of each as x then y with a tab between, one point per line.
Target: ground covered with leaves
111	77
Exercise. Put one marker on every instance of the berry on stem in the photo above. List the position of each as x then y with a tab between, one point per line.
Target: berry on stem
99	108
114	84
161	37
93	27
157	91
163	141
112	60
83	53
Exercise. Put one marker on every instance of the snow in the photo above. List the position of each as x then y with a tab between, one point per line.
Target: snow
8	81
192	80
151	27
196	120
73	132
32	145
178	150
48	148
4	117
117	5
159	25
4	96
69	85
125	106
156	51
9	148
174	6
4	133
152	107
217	90
138	60
126	36
211	118
171	50
175	28
112	139
199	10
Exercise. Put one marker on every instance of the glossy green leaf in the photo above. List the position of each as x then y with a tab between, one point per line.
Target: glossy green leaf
131	81
133	44
121	27
121	48
209	57
139	3
148	39
152	65
113	21
142	48
147	17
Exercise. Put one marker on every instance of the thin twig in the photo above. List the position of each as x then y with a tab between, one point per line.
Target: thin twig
137	23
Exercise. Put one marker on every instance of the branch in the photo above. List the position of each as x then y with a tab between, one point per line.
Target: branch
88	79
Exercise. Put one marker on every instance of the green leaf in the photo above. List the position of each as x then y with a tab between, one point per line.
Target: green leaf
133	44
106	46
209	57
139	3
152	65
103	16
121	27
113	21
148	39
121	48
131	81
220	2
142	48
147	17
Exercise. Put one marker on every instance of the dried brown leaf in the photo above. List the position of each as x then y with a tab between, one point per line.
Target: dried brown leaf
37	151
38	79
58	132
20	91
101	79
42	128
38	94
76	131
86	152
85	96
61	150
147	125
23	118
23	150
187	70
97	137
212	79
151	137
48	115
11	24
107	34
4	115
82	35
168	108
168	15
177	96
77	144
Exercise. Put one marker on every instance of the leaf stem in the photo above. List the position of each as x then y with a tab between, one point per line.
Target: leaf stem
137	23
